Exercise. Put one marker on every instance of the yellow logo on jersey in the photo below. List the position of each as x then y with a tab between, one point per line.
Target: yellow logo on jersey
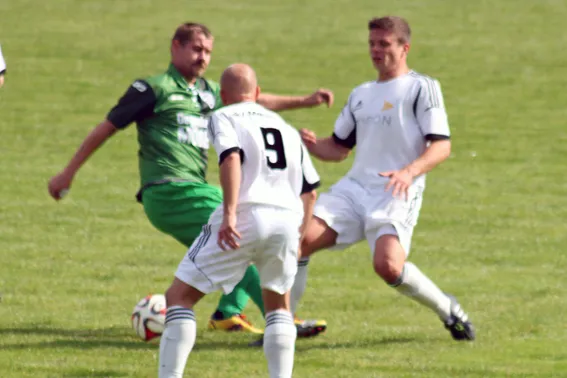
387	106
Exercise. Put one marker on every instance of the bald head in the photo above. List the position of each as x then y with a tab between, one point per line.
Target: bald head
238	84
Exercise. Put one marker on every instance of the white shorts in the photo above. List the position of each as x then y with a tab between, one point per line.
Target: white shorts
270	240
355	212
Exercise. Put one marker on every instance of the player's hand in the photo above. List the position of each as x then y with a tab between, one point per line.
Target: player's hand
227	233
400	182
59	185
308	137
319	97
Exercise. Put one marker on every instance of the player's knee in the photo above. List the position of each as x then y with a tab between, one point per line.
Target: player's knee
387	270
389	258
306	248
181	294
173	296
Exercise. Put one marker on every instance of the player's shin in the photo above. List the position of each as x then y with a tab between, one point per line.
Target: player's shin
299	285
279	335
416	285
176	342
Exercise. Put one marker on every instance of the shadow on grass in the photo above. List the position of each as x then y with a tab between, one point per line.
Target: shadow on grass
303	346
123	338
114	337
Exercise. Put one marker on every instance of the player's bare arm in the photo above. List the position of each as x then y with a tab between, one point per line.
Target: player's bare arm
230	174
62	181
325	149
278	102
400	181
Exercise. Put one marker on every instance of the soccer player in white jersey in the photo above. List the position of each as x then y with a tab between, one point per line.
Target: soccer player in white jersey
2	68
400	128
268	183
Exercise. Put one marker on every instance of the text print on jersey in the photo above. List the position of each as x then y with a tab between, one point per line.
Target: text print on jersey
380	120
196	131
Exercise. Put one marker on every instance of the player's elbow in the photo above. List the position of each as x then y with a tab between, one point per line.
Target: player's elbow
340	152
443	148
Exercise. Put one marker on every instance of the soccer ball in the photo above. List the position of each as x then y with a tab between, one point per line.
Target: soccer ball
148	317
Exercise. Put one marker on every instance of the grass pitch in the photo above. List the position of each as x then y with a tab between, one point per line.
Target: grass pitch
491	231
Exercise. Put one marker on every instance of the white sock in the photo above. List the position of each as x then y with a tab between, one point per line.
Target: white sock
299	284
279	343
176	342
414	284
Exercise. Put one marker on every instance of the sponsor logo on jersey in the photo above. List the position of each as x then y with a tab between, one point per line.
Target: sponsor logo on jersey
387	106
141	87
176	97
377	120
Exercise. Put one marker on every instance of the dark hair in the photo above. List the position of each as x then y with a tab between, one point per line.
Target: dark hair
392	24
185	32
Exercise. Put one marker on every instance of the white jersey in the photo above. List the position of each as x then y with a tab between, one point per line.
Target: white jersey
2	62
391	123
276	167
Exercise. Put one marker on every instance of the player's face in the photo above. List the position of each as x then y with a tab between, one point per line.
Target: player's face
385	50
194	57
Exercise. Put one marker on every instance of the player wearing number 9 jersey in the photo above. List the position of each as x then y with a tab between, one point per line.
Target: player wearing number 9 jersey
268	183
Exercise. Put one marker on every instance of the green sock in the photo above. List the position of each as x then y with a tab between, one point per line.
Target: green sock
234	303
253	288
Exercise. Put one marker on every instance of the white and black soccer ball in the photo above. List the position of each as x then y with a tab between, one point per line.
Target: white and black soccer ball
148	317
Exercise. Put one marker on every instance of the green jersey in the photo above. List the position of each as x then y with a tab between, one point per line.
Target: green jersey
171	118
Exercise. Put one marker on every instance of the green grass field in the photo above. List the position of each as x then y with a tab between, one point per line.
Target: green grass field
492	229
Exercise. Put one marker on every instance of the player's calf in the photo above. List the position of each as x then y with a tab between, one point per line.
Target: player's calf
180	331
279	335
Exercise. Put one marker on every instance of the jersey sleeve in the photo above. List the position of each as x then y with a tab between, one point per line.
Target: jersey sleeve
344	132
311	178
429	110
2	63
223	136
136	104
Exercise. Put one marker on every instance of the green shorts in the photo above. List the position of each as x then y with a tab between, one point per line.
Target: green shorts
180	209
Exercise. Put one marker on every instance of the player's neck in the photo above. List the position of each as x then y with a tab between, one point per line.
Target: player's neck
394	73
189	78
236	99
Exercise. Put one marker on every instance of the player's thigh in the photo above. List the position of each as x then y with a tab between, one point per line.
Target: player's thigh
208	268
181	209
338	211
276	257
318	236
387	215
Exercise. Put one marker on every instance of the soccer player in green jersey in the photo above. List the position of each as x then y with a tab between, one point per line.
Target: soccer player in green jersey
171	113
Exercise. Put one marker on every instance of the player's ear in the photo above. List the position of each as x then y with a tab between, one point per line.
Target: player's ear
223	97
175	45
258	91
